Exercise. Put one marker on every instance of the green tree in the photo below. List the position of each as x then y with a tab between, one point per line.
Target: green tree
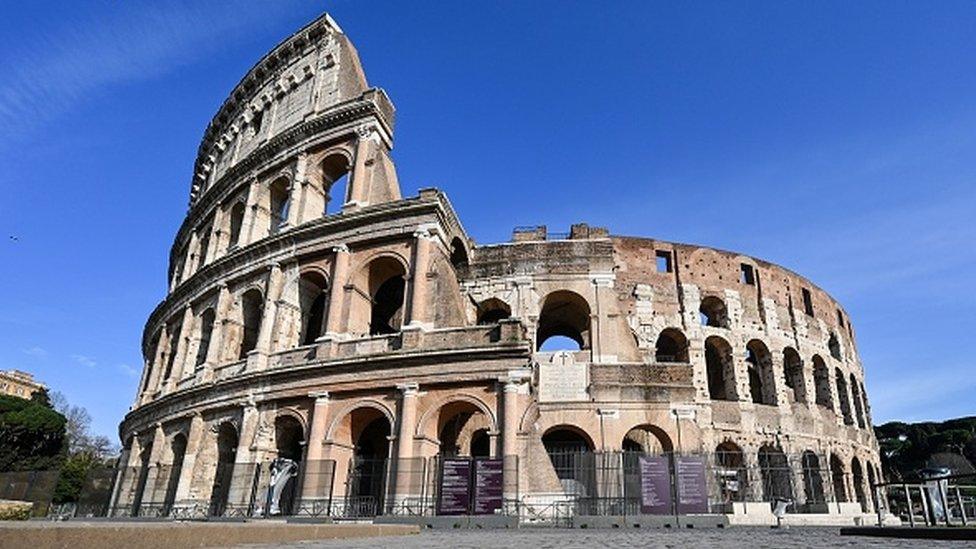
32	435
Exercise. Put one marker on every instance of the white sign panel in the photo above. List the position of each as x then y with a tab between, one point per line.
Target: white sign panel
562	379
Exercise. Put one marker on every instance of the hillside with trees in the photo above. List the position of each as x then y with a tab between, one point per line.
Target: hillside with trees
908	447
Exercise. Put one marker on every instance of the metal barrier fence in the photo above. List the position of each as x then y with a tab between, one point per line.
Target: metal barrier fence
947	500
610	483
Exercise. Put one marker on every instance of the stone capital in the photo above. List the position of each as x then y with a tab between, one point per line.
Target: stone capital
340	249
321	397
409	389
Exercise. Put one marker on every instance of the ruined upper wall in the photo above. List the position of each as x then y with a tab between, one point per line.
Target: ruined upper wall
310	72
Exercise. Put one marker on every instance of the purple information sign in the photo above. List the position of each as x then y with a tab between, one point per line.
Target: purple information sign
655	485
692	493
455	487
487	486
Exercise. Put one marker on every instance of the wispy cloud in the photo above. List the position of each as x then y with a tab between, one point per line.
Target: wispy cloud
926	395
36	352
84	360
53	70
128	370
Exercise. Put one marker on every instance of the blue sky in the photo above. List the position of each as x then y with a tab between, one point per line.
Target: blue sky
834	138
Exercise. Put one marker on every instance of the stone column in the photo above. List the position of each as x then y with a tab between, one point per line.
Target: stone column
296	211
599	329
263	347
152	493
217	233
512	386
249	232
185	359
215	351
317	473
240	488
337	291
359	179
158	362
404	448
418	279
191	253
194	440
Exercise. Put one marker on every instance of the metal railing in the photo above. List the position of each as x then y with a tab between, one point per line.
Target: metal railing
940	501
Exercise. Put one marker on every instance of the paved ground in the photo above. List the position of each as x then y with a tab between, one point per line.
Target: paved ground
754	538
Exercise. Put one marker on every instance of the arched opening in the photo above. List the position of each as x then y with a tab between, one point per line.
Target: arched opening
864	402
177	448
335	182
150	362
236	223
845	402
872	480
671	346
837	474
857	477
759	364
776	474
647	439
252	308
833	345
312	296
856	397
457	423
204	247
224	475
175	330
570	451
565	315
713	312
206	331
290	443
491	310
793	373
279	202
459	254
821	382
366	430
731	473
140	489
720	369
812	479
386	291
481	444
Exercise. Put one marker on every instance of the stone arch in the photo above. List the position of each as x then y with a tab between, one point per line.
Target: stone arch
837	474
204	334
380	302
759	368
713	312
352	407
775	472
279	202
856	397
453	421
565	435
842	396
793	374
459	254
177	452
425	423
857	479
821	382
334	170
671	346
833	345
491	310
813	488
648	439
731	472
570	451
252	311
226	441
720	369
313	300
529	416
564	313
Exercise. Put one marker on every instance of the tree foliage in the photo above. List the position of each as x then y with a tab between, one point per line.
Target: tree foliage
32	435
908	447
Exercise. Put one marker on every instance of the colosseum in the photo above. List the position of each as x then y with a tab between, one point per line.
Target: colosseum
328	347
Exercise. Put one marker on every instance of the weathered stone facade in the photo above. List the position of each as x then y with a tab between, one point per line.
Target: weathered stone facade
375	327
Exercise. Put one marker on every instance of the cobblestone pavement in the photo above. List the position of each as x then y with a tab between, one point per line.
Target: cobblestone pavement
537	538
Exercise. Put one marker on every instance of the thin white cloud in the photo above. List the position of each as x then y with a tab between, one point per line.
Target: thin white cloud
128	370
67	61
36	352
84	360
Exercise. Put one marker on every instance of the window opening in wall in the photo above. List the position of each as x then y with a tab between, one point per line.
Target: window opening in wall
671	346
335	182
720	369
747	275
821	381
834	346
491	310
840	318
312	297
387	285
280	195
565	319
663	261
206	330
236	222
807	302
256	121
252	305
712	312
204	246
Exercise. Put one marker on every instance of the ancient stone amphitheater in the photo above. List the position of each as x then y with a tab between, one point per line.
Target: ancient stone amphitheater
316	315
